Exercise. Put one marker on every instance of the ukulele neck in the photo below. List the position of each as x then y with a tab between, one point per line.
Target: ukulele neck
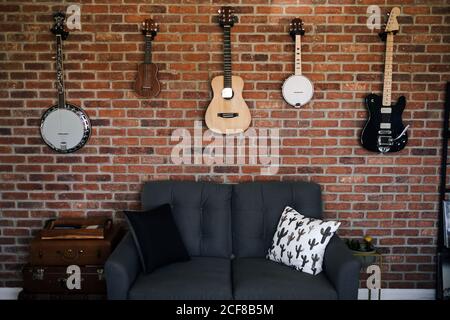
298	55
60	72
227	57
387	85
148	50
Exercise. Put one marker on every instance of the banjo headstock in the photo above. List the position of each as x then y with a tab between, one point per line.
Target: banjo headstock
296	28
59	26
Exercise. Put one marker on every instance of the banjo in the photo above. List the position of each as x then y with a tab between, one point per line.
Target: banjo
64	127
297	89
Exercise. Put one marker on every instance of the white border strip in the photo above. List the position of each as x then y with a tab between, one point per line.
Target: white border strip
9	293
398	294
386	294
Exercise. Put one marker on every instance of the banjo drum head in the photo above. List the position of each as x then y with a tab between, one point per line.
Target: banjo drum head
65	129
297	90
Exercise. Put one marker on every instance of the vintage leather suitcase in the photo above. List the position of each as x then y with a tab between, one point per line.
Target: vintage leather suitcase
52	280
64	252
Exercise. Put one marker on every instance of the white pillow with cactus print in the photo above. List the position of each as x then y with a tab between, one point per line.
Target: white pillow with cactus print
300	242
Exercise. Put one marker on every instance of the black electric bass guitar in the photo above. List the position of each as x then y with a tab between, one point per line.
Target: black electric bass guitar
384	130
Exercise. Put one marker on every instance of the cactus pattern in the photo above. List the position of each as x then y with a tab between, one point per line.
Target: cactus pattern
311	228
310	220
289	255
300	233
281	234
312	243
282	249
298	224
288	209
325	234
290	238
314	258
291	220
283	219
304	261
298	249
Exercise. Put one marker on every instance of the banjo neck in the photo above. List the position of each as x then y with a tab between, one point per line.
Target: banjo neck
60	73
298	55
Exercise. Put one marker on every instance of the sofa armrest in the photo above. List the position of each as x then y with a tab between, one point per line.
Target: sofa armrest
122	268
342	269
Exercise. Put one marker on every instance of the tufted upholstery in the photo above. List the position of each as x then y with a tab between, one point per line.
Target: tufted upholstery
202	212
256	210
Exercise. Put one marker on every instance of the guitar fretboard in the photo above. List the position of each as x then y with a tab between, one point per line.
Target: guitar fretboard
387	86
148	51
298	55
227	57
60	72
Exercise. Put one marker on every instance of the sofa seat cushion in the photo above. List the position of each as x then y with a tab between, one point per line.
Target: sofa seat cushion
262	279
200	278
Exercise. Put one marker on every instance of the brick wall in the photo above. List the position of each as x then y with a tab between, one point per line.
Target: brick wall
391	197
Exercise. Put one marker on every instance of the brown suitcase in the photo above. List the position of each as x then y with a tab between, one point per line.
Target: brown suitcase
63	252
51	280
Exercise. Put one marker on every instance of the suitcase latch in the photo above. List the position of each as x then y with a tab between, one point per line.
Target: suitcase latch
100	274
38	274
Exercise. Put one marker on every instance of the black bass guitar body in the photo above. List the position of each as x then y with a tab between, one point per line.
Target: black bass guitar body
384	130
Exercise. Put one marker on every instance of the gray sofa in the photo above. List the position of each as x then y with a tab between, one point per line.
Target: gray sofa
227	230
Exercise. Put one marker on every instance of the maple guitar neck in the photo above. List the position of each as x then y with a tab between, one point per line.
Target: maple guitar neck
387	85
298	55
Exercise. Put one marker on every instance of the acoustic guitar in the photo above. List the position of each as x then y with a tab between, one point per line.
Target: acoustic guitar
297	89
147	84
384	130
227	112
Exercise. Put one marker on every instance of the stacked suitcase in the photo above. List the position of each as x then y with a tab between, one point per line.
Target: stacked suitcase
46	276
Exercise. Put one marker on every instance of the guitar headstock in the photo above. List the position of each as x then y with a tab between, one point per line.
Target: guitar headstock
150	28
392	23
296	28
227	17
59	27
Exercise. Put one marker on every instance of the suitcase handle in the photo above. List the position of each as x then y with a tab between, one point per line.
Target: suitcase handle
70	254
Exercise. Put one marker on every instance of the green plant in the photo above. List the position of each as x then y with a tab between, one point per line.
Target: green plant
360	245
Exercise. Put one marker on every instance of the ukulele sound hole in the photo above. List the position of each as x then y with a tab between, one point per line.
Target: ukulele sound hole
228	115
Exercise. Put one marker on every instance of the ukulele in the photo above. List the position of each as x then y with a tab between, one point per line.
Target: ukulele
227	112
384	130
64	127
297	89
147	84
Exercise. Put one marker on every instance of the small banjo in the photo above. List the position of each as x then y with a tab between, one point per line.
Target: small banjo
64	127
297	89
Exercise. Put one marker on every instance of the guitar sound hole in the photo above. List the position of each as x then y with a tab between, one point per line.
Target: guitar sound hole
228	115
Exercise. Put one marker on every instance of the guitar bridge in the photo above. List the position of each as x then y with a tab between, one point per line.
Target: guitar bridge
385	141
228	115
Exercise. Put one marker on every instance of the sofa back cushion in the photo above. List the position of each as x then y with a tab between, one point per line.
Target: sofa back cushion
257	207
202	213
